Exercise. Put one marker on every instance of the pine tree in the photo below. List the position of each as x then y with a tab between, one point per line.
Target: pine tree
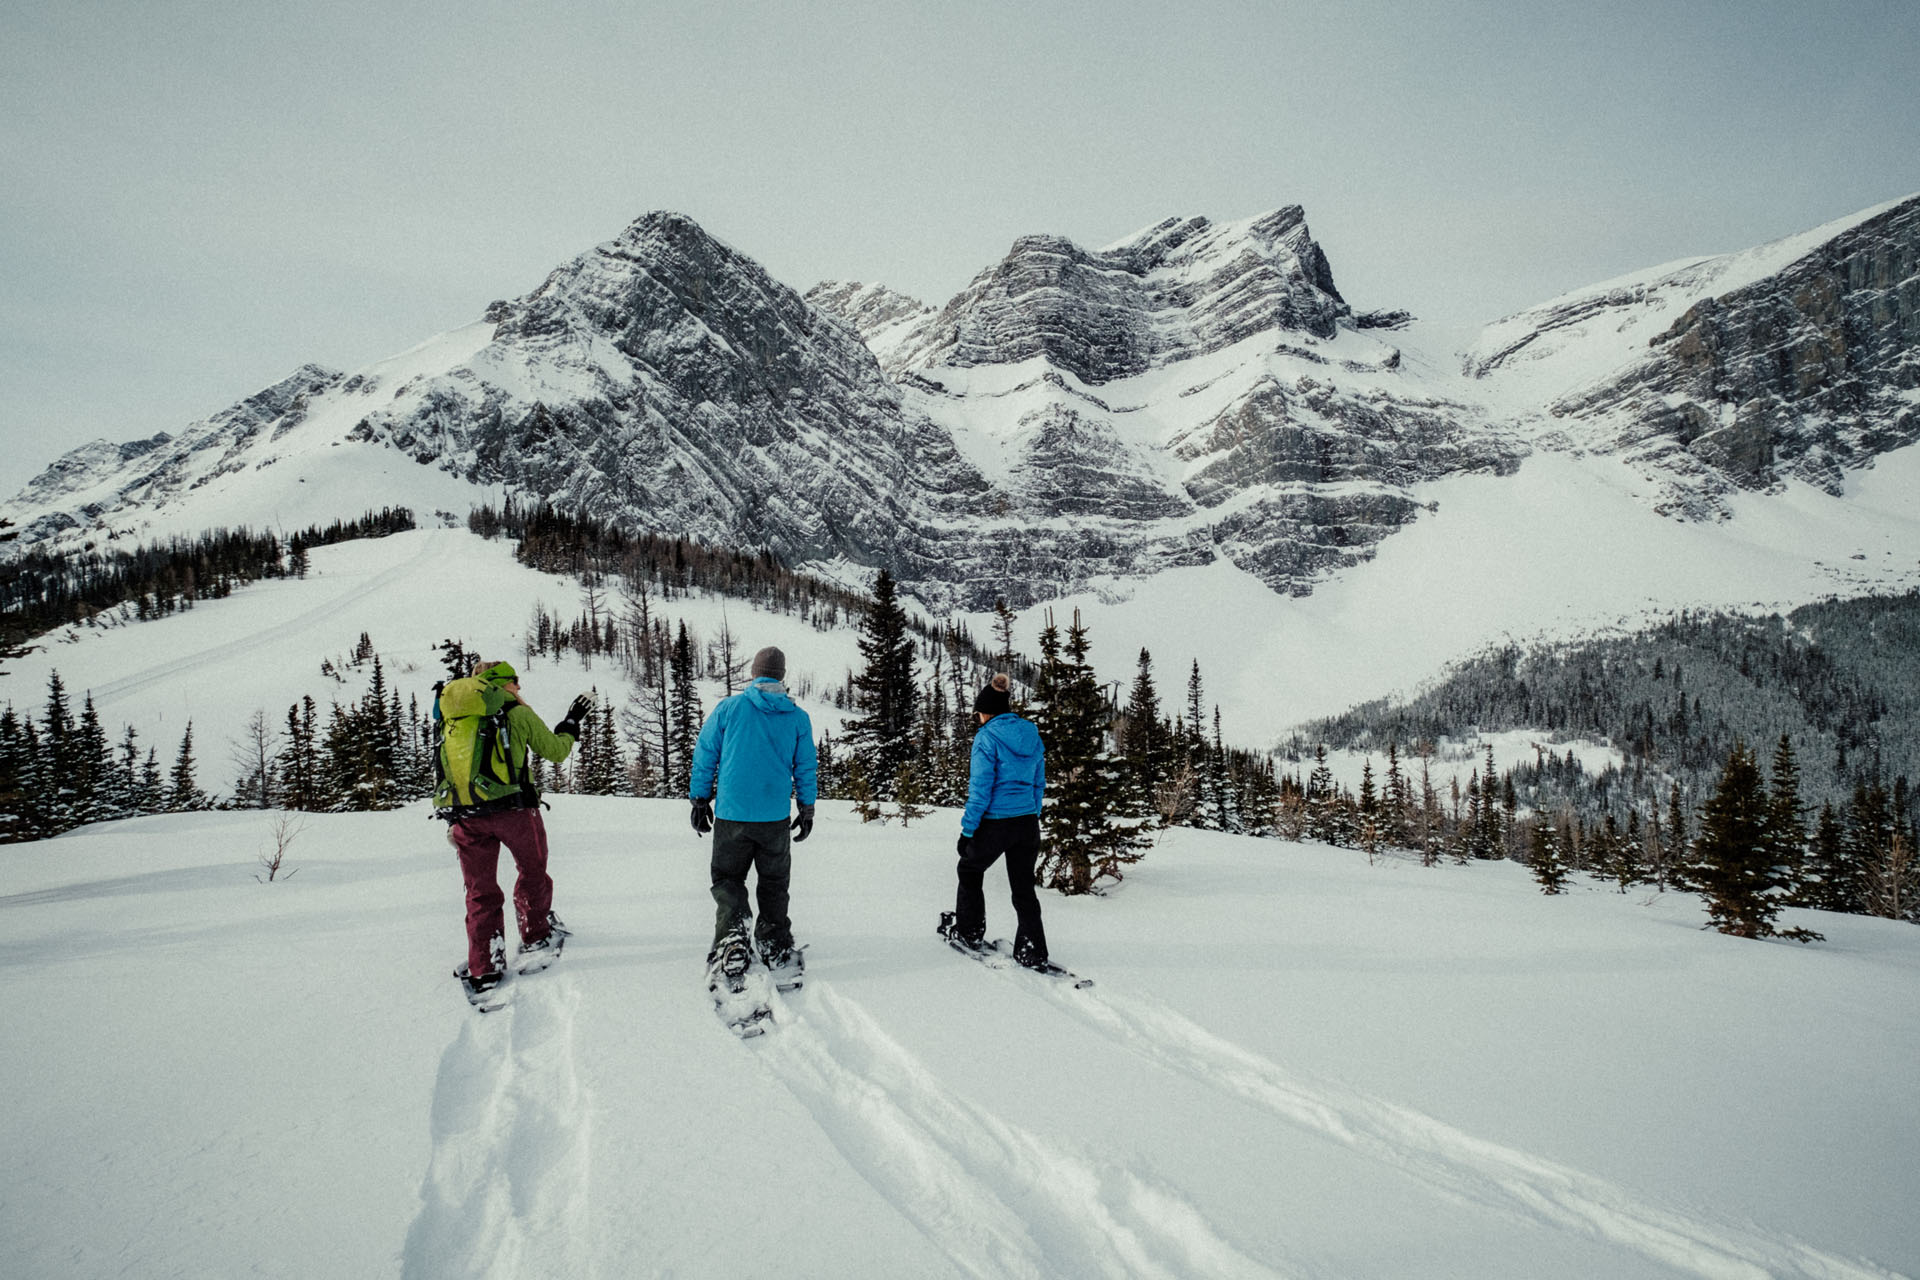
183	793
883	732
93	767
685	712
1492	841
1870	829
1743	885
1787	820
1369	811
1676	869
1088	837
14	819
1320	799
1829	872
1145	745
1545	857
60	801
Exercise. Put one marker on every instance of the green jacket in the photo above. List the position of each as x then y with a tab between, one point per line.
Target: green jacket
529	730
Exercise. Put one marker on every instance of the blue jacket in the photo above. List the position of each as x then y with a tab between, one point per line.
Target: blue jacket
1008	774
758	746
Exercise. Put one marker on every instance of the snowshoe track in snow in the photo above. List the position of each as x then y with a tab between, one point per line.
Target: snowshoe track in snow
1001	1202
1454	1162
505	1194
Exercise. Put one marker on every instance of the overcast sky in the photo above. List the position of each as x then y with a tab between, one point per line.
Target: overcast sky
199	197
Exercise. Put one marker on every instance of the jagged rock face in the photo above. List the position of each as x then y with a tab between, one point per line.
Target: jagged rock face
1289	456
665	381
91	482
1180	289
872	310
1805	372
1196	392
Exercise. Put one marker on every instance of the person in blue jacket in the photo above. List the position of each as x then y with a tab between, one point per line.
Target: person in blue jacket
1007	779
754	757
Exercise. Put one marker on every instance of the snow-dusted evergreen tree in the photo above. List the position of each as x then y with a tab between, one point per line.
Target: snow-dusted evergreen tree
297	764
1545	858
602	770
93	766
1088	831
685	713
1733	860
1828	873
1321	800
1369	812
1870	829
183	792
15	818
1147	745
1787	818
60	798
882	733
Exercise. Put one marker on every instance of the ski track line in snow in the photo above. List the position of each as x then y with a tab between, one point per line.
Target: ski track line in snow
1456	1162
505	1194
434	548
998	1200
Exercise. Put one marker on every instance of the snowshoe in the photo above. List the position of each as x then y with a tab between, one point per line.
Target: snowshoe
536	956
948	929
484	991
727	964
787	966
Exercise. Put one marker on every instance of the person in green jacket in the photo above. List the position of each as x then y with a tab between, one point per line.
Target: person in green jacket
479	829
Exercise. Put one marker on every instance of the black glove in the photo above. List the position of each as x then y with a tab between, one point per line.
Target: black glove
576	714
803	825
964	845
702	815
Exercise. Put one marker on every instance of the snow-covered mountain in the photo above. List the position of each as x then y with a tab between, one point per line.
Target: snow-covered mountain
1074	422
1799	359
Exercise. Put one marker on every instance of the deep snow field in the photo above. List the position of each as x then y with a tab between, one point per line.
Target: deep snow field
1292	1064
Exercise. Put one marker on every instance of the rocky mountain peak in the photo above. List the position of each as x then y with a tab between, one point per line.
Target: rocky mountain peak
1181	288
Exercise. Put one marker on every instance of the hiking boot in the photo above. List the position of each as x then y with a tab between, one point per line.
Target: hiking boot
776	955
730	960
950	930
478	982
1031	957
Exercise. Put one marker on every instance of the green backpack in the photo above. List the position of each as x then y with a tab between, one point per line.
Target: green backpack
476	765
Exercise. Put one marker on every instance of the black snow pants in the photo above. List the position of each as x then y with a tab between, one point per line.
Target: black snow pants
1019	840
765	847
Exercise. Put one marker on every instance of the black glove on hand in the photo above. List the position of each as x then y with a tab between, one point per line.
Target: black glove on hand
576	713
702	815
964	846
803	825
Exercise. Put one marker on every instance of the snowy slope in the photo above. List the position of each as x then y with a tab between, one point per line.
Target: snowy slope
1292	1064
1547	353
1564	547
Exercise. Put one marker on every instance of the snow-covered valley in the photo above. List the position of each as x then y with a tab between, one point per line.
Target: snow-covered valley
1292	1063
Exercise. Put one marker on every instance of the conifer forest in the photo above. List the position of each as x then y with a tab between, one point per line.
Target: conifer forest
1767	760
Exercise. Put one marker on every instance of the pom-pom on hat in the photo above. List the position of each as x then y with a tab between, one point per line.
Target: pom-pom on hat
996	698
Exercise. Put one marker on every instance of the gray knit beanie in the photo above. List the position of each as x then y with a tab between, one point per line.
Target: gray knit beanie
771	663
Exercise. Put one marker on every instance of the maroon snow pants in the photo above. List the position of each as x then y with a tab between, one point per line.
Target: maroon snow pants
478	840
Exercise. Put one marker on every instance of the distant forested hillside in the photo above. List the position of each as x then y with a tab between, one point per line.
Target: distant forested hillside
1840	678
